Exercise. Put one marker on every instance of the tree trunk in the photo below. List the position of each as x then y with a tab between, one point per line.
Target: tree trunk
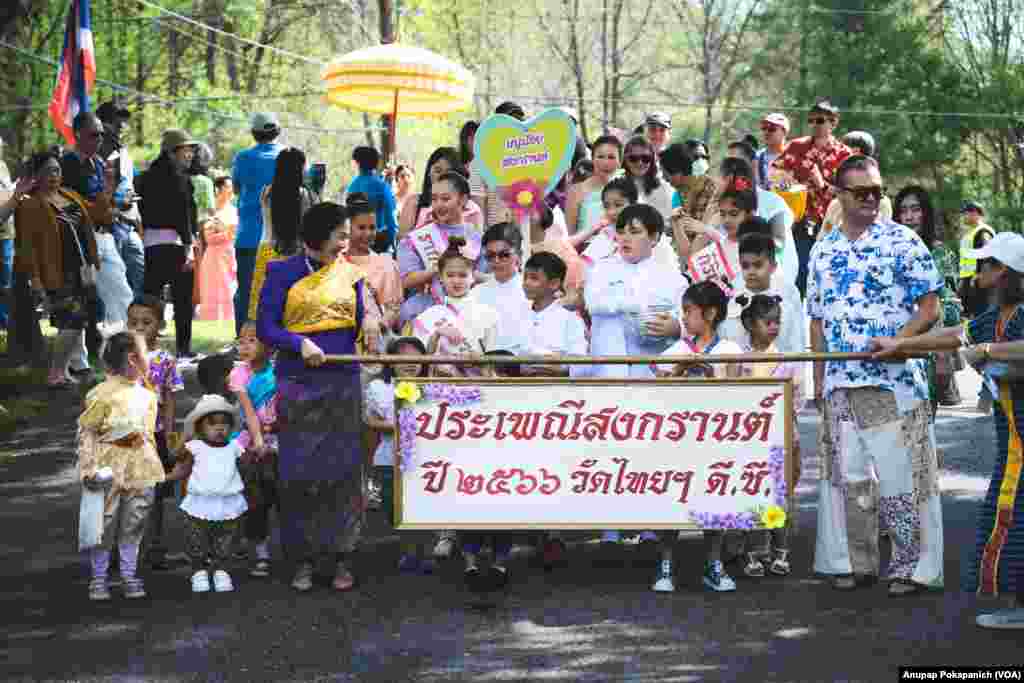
230	62
173	77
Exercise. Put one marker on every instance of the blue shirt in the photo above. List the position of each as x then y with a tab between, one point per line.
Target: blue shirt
870	288
381	198
253	170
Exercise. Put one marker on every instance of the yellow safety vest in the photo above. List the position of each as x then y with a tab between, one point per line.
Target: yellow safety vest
969	266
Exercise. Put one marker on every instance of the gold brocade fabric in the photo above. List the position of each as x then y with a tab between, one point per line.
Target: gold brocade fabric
264	255
113	411
324	300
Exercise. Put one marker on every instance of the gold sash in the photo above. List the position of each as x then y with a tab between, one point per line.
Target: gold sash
324	300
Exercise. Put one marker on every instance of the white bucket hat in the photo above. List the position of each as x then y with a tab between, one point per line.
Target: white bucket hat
208	405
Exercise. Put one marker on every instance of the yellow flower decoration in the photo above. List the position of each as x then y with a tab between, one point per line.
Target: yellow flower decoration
774	517
407	391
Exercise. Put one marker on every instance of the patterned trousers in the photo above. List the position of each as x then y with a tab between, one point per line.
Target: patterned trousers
209	539
878	462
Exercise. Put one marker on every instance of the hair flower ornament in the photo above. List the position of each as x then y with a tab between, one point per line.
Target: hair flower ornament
741	184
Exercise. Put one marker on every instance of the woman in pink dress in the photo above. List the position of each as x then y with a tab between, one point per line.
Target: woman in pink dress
218	276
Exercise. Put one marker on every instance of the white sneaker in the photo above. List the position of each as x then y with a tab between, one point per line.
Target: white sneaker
222	582
665	584
1004	619
444	548
716	579
201	581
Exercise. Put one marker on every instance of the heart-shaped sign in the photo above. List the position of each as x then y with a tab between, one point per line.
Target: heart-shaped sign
524	160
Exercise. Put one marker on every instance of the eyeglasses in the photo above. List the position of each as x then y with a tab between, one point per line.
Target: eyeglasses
502	255
818	120
769	128
916	208
639	158
863	194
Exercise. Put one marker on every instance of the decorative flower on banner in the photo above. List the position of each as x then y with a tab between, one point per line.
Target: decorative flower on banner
524	198
409	393
774	517
770	517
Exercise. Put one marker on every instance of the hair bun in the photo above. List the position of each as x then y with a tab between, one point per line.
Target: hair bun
356	199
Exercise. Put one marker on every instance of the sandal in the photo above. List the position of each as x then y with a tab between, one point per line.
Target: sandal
303	580
754	567
343	579
899	588
780	565
844	583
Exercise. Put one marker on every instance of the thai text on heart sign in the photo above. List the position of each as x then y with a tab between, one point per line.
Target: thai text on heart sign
524	160
521	143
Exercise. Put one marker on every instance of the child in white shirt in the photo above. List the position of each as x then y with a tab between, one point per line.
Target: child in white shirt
704	308
461	325
628	291
552	331
380	417
214	505
759	276
761	318
550	328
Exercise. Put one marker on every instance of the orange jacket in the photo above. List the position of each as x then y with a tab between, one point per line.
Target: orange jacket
39	241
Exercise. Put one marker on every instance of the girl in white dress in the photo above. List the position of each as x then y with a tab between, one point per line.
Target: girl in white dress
214	505
460	325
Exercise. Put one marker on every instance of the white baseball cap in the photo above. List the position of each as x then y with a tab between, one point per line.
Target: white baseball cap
1005	247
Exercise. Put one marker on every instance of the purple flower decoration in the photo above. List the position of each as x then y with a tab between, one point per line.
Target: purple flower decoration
440	393
714	520
777	463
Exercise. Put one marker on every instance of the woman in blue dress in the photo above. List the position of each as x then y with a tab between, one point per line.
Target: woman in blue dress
994	342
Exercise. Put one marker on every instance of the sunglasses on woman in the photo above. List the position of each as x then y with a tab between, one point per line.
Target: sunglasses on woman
818	121
768	128
639	158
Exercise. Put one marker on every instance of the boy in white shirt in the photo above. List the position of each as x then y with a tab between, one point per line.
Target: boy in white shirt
550	328
625	294
758	266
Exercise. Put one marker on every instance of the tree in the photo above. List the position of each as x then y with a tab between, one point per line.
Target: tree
716	47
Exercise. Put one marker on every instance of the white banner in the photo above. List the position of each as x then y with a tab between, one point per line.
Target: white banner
592	454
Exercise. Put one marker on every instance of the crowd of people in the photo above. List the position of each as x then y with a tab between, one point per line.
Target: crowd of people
644	248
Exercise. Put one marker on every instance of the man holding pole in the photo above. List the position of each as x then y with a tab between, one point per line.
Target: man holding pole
874	278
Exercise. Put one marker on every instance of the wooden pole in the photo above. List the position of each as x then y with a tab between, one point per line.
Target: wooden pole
807	357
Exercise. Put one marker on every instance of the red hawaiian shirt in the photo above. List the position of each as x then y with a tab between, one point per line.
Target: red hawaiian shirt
800	156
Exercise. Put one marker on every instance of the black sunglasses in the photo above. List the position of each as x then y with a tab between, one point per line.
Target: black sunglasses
496	255
862	194
818	120
639	158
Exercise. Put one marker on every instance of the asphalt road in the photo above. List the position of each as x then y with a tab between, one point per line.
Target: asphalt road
594	621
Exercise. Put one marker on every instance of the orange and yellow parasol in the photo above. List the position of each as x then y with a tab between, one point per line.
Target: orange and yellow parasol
398	79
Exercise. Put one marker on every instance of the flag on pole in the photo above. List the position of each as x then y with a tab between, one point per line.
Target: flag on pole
77	73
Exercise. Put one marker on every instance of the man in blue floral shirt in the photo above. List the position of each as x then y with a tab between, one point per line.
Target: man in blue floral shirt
874	278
